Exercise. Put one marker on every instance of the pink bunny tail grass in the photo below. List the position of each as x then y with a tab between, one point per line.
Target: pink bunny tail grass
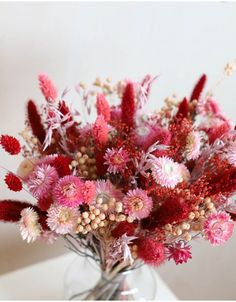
103	107
47	87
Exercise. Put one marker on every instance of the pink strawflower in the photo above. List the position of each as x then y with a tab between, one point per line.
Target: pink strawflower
117	160
68	191
89	191
137	204
218	228
193	145
41	181
100	131
48	89
106	190
30	228
184	172
62	220
166	172
179	252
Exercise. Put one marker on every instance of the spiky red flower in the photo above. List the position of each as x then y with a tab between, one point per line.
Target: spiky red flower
198	88
151	251
10	210
13	182
103	107
61	163
128	105
35	122
10	144
122	228
100	131
218	131
183	109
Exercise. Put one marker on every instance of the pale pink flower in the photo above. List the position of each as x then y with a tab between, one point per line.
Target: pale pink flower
62	220
68	191
48	237
106	190
117	160
184	172
30	228
48	89
179	252
218	228
137	204
166	172
41	181
193	145
231	154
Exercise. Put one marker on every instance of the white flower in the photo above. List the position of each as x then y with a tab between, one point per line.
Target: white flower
29	226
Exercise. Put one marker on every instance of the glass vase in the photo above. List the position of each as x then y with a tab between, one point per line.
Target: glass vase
84	280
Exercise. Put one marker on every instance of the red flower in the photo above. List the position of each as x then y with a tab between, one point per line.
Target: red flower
45	203
218	131
61	163
151	251
13	182
103	107
183	109
10	210
198	88
128	105
10	144
122	228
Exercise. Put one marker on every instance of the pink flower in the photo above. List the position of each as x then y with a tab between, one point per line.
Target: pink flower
68	191
193	145
103	107
117	160
184	172
106	190
62	220
100	131
231	154
29	226
41	181
137	204
48	237
89	191
115	113
48	89
166	172
208	106
218	228
179	252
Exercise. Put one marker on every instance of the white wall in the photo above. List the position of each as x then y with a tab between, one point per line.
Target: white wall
79	41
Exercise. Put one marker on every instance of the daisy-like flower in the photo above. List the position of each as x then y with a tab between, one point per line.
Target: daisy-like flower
218	228
30	228
137	204
166	172
69	191
106	190
193	145
62	220
41	180
117	160
179	252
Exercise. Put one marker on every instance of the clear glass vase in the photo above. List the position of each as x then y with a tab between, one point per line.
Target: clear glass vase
84	280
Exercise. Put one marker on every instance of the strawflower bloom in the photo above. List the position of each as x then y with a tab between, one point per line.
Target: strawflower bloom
166	172
218	228
40	182
137	204
30	228
62	220
117	160
193	145
68	191
179	252
89	191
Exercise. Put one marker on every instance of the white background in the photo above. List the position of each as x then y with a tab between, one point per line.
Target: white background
74	42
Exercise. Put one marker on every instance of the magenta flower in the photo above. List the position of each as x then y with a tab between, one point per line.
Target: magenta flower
218	228
166	172
41	181
69	191
62	220
137	204
179	252
117	160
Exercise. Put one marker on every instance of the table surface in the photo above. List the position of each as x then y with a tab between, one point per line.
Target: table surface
45	281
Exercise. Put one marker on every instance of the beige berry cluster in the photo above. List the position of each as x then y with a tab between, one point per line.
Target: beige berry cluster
106	86
85	163
229	68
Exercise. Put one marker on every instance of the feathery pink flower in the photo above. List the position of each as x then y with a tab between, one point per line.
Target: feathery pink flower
193	145
62	220
137	204
179	252
218	228
117	160
48	89
106	190
68	191
166	172
103	107
41	180
30	228
100	131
